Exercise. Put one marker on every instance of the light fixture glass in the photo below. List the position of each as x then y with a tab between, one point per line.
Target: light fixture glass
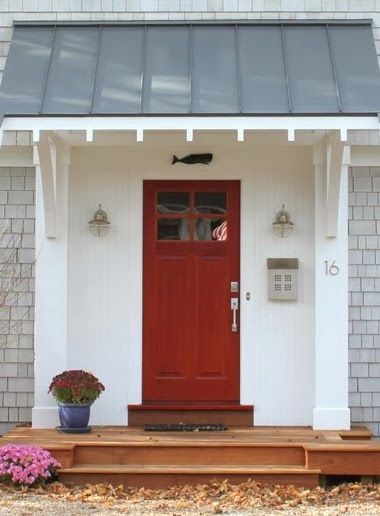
99	225
282	226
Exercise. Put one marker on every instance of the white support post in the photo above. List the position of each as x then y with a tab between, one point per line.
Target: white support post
331	304
51	296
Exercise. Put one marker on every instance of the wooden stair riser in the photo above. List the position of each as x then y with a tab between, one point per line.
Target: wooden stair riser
340	462
226	417
64	457
180	455
159	481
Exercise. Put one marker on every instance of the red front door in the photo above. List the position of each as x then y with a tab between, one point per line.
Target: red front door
191	259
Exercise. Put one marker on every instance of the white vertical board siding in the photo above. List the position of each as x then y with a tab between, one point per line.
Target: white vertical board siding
105	298
282	341
99	307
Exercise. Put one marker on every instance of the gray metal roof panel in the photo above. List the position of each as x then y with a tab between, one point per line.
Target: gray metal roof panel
191	69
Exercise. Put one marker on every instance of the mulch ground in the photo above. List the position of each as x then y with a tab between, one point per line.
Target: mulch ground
250	498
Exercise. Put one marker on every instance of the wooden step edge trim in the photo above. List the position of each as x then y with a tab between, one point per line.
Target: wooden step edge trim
186	444
196	469
344	447
44	445
193	407
357	430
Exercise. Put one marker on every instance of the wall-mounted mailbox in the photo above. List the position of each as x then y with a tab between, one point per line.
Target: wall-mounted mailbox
282	278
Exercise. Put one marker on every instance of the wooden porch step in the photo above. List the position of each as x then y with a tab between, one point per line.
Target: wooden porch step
358	458
159	476
174	413
191	453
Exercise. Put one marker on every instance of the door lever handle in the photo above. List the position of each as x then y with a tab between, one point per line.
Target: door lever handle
234	309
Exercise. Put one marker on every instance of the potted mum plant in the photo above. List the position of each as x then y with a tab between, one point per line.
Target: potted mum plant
75	391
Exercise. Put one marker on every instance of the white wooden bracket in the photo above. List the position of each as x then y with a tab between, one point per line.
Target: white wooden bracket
89	135
45	158
337	157
291	135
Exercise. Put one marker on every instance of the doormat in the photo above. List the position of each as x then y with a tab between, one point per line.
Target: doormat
186	427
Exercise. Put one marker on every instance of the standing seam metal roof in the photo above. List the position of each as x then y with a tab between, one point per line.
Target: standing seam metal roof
191	69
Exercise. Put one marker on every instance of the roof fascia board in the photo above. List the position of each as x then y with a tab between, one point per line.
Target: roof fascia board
240	123
96	23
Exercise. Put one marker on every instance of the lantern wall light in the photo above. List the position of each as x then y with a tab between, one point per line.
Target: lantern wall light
282	226
99	225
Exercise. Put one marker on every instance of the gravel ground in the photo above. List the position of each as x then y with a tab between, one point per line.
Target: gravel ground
250	498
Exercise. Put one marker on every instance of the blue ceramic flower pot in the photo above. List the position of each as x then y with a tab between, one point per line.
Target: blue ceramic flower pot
74	416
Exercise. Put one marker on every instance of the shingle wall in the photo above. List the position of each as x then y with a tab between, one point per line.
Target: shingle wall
364	295
17	186
16	348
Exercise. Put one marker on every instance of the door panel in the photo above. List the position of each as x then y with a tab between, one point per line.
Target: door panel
191	255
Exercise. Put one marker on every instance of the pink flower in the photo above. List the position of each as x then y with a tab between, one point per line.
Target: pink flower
24	464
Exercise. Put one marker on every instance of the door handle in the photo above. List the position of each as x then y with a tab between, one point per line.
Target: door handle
234	309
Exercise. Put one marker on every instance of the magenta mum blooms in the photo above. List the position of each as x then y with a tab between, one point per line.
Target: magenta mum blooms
26	465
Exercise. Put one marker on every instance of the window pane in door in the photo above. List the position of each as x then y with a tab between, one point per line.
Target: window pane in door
210	229
173	202
173	229
210	202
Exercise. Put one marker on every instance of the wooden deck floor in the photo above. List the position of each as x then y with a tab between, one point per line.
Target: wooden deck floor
133	457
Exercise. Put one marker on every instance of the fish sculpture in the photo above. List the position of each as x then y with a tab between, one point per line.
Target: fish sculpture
192	159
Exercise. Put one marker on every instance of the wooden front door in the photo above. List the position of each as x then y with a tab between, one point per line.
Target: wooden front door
191	259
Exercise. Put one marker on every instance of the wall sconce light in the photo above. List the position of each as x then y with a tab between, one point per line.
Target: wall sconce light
282	226
99	225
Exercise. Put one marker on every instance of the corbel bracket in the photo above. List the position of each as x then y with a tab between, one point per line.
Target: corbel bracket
337	155
45	158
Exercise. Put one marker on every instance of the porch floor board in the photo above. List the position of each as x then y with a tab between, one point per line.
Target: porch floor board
128	455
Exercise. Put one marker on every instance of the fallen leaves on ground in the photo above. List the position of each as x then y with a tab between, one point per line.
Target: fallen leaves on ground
215	497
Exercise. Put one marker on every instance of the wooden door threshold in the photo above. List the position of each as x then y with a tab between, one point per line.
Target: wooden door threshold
204	413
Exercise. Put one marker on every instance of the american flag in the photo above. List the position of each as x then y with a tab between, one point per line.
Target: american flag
220	232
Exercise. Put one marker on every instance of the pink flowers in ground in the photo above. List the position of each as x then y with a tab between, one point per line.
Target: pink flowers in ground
26	465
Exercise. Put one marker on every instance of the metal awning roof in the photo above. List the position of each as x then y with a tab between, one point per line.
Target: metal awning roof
191	69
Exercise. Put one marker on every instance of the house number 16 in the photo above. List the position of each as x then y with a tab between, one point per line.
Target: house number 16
331	268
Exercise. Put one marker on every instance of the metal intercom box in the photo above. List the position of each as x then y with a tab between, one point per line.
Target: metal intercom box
282	279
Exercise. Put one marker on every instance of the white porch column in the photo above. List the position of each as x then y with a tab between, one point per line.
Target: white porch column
331	297
51	287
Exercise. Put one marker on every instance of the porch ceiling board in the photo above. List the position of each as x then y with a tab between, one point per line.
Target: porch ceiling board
196	69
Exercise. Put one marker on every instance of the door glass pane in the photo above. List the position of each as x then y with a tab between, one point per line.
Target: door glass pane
118	76
214	70
166	84
173	202
210	202
210	229
71	74
173	229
